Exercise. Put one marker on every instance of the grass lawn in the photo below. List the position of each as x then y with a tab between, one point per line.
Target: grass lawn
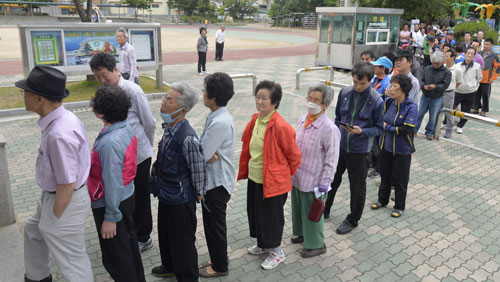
10	97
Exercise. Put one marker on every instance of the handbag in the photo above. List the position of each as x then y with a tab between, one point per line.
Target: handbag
316	211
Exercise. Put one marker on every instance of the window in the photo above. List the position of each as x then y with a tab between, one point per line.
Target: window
394	29
324	29
155	5
377	36
360	27
342	29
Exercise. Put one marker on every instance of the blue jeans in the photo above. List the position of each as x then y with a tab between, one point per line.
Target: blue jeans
433	105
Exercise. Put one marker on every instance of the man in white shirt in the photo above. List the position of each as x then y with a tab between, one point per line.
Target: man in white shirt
127	58
449	93
220	36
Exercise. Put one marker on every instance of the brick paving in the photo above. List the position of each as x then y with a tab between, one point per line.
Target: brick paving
449	231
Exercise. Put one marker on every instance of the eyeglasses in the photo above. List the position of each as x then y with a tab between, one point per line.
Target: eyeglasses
22	91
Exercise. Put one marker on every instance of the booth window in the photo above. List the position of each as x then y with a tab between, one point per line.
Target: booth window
360	29
394	29
323	29
342	29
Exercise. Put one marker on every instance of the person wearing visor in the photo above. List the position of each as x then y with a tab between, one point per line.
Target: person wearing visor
178	180
382	80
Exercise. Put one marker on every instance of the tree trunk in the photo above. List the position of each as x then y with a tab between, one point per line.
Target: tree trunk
85	16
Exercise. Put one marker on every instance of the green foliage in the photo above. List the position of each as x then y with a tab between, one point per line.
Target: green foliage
137	4
423	10
239	8
473	28
281	7
187	6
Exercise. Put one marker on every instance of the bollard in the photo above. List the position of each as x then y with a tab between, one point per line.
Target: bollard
299	71
468	116
334	84
245	75
7	214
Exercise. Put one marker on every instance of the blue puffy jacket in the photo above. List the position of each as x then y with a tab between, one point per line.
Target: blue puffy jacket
399	127
363	109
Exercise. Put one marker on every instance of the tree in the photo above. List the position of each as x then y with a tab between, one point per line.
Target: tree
239	8
137	4
85	15
428	9
187	6
281	7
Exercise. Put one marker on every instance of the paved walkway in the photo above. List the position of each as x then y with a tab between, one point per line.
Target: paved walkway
449	231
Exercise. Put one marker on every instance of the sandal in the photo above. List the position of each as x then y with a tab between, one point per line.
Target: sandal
377	205
396	213
205	264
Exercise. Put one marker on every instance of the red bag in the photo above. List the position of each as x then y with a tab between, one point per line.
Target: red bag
316	211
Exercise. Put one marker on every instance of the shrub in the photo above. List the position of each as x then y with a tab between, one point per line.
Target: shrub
473	28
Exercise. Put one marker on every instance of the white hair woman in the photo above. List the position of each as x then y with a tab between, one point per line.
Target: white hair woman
318	139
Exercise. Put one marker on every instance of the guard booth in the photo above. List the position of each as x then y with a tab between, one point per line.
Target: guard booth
345	32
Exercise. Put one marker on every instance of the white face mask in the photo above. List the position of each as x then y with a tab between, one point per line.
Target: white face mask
313	109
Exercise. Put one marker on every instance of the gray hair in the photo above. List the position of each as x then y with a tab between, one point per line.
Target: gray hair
188	96
437	57
325	90
122	30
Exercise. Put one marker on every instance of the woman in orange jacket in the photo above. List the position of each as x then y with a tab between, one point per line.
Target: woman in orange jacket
269	158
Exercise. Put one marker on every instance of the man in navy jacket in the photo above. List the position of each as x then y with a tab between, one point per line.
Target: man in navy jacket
359	115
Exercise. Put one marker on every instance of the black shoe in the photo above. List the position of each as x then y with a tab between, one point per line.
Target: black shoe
373	174
345	227
221	59
161	271
309	253
297	239
326	215
46	279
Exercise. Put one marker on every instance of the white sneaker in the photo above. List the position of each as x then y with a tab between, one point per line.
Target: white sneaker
204	72
255	250
146	245
459	130
200	73
273	260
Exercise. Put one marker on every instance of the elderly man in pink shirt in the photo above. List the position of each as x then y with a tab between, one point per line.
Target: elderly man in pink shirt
62	167
318	139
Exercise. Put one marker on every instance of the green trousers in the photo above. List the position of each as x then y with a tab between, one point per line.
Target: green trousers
302	226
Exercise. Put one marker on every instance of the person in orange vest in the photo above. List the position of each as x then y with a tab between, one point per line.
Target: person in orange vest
490	74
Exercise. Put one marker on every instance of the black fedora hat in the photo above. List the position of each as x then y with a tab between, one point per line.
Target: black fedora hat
45	81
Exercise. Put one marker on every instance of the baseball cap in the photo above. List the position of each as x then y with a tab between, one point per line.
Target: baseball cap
384	62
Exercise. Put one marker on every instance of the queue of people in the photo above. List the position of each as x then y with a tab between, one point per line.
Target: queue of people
115	178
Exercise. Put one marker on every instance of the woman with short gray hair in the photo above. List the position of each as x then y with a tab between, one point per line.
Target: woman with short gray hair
318	139
178	179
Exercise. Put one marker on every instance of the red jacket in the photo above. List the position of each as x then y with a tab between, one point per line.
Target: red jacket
281	155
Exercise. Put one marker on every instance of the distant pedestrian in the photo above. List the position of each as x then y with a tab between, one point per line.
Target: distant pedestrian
449	93
127	62
202	47
220	38
111	185
57	227
368	56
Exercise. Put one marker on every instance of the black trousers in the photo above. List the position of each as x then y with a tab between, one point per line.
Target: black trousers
143	219
176	238
465	101
219	50
265	216
202	60
372	157
483	93
357	168
427	60
395	170
120	255
214	223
